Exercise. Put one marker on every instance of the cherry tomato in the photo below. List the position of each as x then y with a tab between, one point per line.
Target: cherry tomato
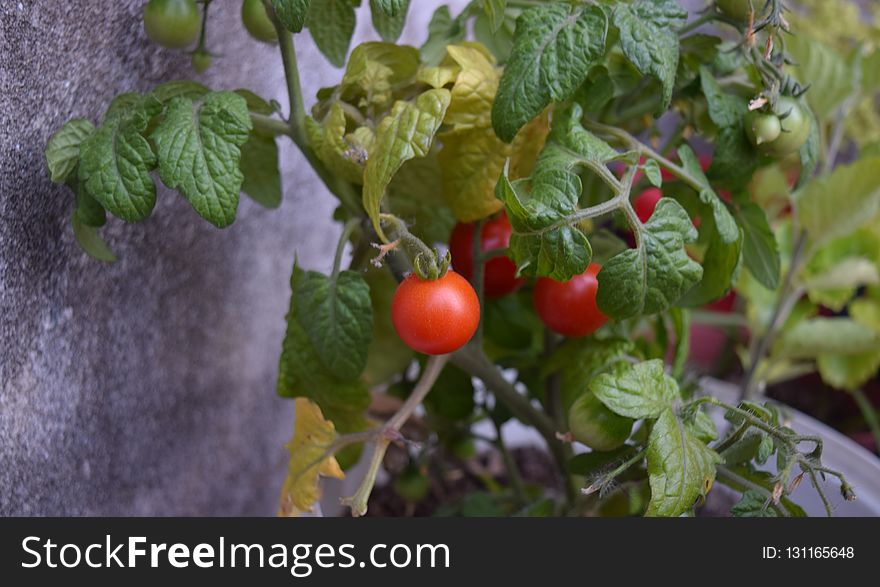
593	424
795	122
569	307
762	127
173	24
201	61
437	316
645	203
499	274
257	21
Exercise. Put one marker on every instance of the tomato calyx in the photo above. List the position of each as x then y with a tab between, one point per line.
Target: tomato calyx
430	266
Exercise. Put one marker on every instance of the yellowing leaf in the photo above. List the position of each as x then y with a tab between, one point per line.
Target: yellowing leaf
312	435
333	148
373	69
471	163
438	76
406	133
474	89
528	145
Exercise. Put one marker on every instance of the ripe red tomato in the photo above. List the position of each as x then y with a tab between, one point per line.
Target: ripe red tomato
499	274
569	307
645	203
437	316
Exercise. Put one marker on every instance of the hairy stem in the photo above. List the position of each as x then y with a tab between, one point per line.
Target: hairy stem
388	432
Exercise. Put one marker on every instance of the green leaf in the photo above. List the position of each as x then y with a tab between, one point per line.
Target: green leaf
835	284
390	7
302	373
116	160
809	152
499	42
199	151
292	13
544	241
589	463
90	241
838	203
581	360
259	165
337	315
342	154
423	210
642	391
649	39
388	354
852	371
554	47
652	172
406	133
62	151
724	110
164	92
760	251
681	468
735	159
389	26
331	24
681	323
720	269
754	504
656	274
817	336
443	30
494	11
829	74
726	226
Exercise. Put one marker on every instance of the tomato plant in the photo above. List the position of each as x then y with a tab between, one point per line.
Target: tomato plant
570	309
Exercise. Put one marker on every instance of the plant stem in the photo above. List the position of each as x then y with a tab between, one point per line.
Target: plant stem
788	297
510	464
204	30
270	125
347	230
388	432
707	16
739	483
870	415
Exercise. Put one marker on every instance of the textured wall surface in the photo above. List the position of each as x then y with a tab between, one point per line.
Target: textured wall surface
146	386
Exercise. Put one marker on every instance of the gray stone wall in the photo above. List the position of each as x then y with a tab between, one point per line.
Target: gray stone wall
146	386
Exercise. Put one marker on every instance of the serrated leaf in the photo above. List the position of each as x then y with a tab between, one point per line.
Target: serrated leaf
337	315
407	132
62	151
838	203
754	504
642	391
720	269
554	47
817	336
164	92
116	160
581	360
649	39
302	373
442	31
474	90
198	144
388	25
312	436
340	153
472	162
724	110
90	241
656	274
87	210
259	166
494	11
726	226
331	24
829	74
292	13
544	242
681	468
373	70
760	251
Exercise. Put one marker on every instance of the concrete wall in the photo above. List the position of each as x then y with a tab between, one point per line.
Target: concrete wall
146	386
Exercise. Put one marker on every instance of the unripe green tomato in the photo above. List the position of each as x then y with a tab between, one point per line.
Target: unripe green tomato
740	9
762	127
795	128
201	61
411	486
593	424
173	24
257	21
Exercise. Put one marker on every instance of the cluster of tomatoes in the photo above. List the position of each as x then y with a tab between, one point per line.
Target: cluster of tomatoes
440	316
176	24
